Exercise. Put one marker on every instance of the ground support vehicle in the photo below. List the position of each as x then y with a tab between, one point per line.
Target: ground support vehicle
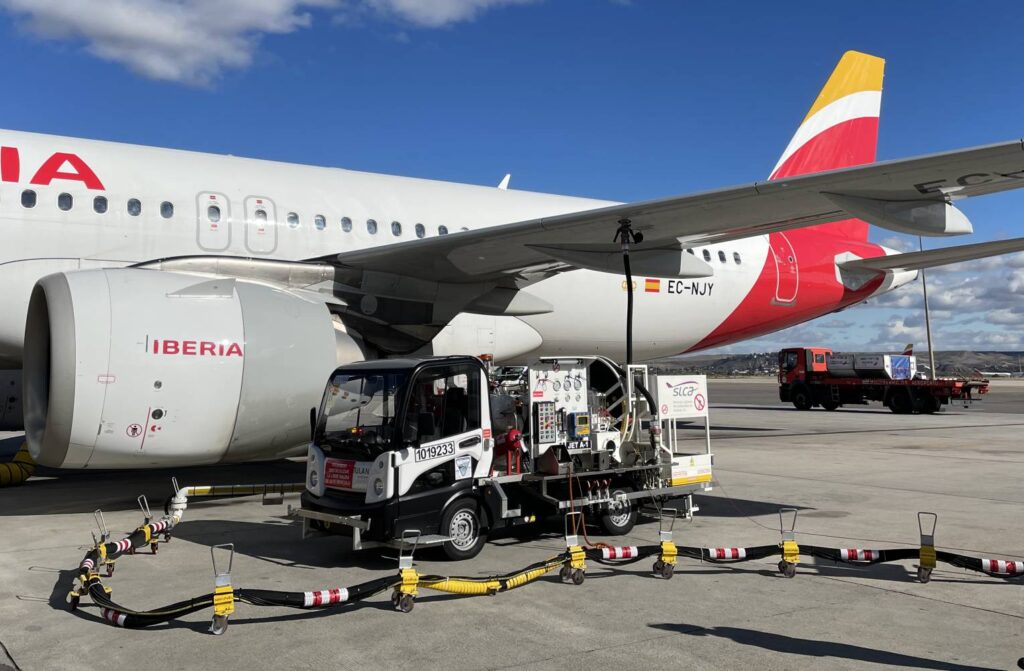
432	445
806	380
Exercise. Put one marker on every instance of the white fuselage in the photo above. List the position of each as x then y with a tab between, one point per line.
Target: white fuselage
305	208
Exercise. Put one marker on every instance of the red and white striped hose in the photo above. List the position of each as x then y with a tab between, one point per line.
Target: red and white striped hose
623	552
325	597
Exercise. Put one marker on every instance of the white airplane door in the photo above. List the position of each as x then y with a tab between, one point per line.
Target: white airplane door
260	225
213	219
787	272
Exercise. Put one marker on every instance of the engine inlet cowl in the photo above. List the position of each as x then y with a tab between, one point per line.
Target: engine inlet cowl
131	368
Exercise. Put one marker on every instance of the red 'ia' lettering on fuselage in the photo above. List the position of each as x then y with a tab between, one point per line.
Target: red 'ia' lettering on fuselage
51	169
196	348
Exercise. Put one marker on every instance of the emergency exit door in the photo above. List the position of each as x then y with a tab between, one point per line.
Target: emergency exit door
787	272
260	225
213	219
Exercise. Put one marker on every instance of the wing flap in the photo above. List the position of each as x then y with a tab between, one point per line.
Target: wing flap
704	218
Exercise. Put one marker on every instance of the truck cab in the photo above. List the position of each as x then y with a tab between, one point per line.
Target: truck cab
397	446
798	366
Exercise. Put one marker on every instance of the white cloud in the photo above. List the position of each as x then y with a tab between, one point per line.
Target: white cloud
900	244
195	41
899	330
435	13
188	41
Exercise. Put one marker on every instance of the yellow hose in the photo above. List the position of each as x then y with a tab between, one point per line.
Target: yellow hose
528	576
457	586
17	470
469	586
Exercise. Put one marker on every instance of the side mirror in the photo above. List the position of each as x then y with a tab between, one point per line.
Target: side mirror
312	424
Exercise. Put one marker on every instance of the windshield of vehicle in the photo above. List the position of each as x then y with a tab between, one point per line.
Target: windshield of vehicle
358	412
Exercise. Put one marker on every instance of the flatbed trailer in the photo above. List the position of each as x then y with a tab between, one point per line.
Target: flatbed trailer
805	381
436	449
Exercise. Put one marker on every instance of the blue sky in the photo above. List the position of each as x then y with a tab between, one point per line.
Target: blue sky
621	100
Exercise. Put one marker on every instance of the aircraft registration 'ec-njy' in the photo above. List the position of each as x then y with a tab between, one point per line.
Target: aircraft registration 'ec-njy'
171	308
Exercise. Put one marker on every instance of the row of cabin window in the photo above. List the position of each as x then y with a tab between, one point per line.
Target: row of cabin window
721	256
320	222
66	201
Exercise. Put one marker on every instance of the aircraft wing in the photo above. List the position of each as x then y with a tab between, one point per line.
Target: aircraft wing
935	257
913	195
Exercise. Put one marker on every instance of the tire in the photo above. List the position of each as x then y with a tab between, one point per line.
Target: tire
618	521
930	405
463	523
900	403
802	398
830	404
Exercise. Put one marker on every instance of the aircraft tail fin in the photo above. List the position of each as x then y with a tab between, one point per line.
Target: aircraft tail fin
840	130
909	349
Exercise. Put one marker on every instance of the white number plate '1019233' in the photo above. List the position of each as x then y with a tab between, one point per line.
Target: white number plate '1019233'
437	451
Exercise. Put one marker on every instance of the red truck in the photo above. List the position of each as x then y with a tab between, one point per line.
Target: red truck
808	378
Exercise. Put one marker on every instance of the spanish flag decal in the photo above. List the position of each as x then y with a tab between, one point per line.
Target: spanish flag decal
652	286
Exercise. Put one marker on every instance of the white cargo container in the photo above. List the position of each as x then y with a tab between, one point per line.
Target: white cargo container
841	365
887	366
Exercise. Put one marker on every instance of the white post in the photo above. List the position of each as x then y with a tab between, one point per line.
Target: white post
927	318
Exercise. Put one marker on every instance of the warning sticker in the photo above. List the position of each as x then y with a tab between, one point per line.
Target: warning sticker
346	474
463	467
682	396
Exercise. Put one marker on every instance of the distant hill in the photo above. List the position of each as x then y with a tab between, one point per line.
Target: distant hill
953	363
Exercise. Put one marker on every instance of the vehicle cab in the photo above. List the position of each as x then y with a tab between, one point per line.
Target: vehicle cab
798	364
398	445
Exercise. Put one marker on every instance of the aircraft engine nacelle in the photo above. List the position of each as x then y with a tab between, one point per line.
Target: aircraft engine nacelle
131	368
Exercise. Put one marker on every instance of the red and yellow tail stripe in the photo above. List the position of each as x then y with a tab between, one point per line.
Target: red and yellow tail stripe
841	128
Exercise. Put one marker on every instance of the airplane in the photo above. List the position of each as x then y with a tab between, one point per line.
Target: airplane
167	308
992	373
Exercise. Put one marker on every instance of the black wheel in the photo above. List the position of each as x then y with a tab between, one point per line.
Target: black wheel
461	522
802	399
73	600
930	405
395	596
565	573
110	570
618	518
219	625
900	403
790	570
923	574
830	404
667	570
153	547
406	602
578	576
658	566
